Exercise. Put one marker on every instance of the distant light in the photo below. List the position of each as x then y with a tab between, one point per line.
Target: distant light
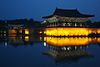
26	31
75	47
40	32
75	24
64	48
44	32
4	34
44	21
26	38
40	38
68	48
6	44
87	46
45	44
4	31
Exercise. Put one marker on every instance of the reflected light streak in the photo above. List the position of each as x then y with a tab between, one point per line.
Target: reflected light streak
70	41
98	40
98	31
6	44
26	38
26	31
45	44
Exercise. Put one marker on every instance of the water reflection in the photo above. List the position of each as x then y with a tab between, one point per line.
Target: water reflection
18	37
70	41
19	40
59	48
67	54
69	49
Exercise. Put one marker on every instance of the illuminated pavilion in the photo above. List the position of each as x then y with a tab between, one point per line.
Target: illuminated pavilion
67	18
67	22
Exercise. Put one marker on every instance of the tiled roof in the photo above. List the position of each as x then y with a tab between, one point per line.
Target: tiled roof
68	13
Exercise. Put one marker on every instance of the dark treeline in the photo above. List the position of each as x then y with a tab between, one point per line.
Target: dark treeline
31	23
96	24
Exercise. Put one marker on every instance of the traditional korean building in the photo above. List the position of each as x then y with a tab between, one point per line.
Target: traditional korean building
67	22
67	18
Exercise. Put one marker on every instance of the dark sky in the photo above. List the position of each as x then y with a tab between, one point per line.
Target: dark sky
16	9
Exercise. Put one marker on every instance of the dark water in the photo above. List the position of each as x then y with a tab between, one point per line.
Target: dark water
34	51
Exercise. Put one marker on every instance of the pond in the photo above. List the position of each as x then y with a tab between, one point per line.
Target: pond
35	51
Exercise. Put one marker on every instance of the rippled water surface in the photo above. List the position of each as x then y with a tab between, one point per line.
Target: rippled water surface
35	51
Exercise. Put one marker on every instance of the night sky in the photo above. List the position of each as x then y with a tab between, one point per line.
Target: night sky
36	9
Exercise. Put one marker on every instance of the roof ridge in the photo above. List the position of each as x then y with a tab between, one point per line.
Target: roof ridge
69	13
66	9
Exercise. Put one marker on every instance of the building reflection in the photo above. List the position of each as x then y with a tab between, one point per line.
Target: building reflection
18	38
60	48
70	41
69	49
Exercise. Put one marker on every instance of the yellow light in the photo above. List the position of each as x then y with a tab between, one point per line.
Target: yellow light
98	40
26	38
76	41
40	38
98	31
20	30
67	41
67	31
12	31
40	32
26	31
